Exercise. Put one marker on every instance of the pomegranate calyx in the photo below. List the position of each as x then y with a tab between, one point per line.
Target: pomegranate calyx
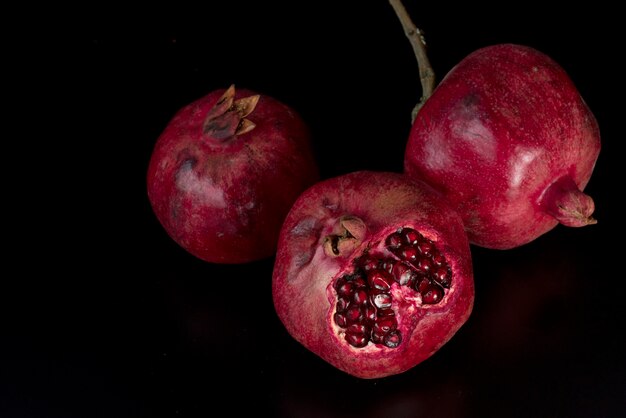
568	204
227	118
346	237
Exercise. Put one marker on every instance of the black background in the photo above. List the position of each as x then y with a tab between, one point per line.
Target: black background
105	316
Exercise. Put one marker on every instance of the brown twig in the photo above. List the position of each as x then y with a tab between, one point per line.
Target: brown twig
416	38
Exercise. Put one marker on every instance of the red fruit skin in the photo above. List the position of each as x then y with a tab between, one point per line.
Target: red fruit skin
224	200
303	274
501	128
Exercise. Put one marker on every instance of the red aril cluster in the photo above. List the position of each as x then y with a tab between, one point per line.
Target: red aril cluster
364	305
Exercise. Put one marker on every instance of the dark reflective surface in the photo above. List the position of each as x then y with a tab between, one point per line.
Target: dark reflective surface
108	317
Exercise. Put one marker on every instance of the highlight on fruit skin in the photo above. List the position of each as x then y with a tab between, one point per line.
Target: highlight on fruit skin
510	142
373	273
225	171
506	137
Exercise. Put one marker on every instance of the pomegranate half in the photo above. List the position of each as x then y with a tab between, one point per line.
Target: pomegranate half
226	170
372	273
509	141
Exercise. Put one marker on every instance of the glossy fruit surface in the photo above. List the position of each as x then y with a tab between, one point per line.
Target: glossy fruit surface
225	171
508	139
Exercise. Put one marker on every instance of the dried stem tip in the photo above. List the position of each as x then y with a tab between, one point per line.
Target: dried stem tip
227	117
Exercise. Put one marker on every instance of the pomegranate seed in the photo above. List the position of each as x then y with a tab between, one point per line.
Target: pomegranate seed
360	297
353	314
340	320
393	339
425	248
422	265
438	258
380	280
358	329
385	312
442	275
359	282
432	295
384	325
342	304
421	284
369	312
388	266
382	300
411	236
399	269
368	263
409	253
340	282
377	338
346	289
403	274
394	240
357	340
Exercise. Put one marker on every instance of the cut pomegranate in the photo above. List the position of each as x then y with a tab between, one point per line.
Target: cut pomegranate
373	272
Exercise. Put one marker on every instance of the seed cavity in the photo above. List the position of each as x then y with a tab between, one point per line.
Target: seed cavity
364	306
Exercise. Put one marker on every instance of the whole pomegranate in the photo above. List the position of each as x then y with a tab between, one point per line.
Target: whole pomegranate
226	170
507	138
372	273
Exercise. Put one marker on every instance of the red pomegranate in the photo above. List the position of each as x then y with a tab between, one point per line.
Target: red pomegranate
226	170
372	273
509	141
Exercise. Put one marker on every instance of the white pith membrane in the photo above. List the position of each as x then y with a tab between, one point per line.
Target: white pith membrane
406	300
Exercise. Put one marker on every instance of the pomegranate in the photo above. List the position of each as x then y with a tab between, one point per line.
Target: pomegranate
509	141
226	170
372	272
